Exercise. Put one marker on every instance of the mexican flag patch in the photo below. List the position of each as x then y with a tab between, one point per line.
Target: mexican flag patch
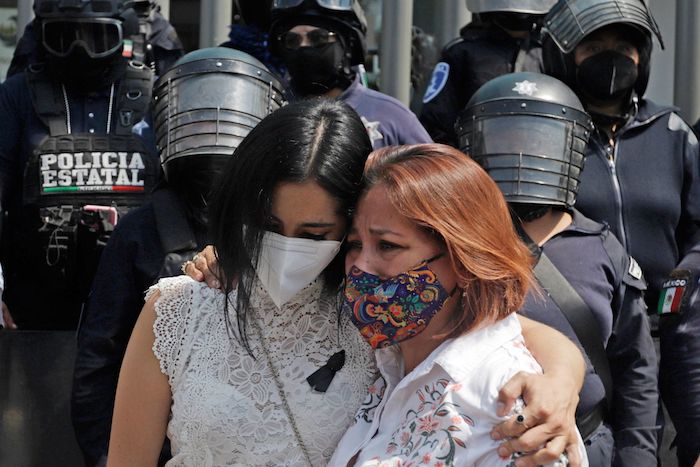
128	50
672	296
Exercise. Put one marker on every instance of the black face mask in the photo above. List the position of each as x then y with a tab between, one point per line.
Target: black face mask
81	71
315	70
607	76
192	178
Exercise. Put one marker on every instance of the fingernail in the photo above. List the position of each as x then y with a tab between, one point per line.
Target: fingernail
495	434
503	452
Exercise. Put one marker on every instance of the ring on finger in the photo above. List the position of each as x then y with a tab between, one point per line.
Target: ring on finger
520	420
183	268
195	258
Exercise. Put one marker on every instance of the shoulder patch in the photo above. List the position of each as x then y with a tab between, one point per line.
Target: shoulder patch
676	123
634	270
372	130
437	81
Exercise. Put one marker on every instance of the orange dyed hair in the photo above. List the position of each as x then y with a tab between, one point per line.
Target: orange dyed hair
445	192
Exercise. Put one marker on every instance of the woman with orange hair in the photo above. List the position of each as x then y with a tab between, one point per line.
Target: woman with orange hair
435	274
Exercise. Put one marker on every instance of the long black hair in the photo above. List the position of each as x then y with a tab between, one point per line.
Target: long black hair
317	139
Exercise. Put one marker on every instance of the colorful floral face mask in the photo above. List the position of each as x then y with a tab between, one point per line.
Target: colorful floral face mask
389	311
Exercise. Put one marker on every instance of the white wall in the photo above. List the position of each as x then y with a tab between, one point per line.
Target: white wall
660	88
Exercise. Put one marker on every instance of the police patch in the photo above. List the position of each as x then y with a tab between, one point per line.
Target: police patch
91	172
677	292
437	81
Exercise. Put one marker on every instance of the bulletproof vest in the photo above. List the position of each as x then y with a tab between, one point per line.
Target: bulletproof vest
77	185
174	231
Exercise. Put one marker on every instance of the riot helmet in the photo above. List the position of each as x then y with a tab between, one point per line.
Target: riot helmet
569	22
529	131
335	31
533	7
511	15
203	108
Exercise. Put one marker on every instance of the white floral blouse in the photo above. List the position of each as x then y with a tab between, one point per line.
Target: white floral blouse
442	412
226	408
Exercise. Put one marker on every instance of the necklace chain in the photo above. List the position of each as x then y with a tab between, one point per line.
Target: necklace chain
280	389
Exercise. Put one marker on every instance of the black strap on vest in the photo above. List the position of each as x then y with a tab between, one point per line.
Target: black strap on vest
580	317
173	227
132	101
134	97
48	100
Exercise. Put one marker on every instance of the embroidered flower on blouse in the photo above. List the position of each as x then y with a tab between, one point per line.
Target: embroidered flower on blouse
252	379
436	428
427	425
262	425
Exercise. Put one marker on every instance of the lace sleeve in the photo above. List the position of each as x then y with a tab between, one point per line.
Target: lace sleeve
172	314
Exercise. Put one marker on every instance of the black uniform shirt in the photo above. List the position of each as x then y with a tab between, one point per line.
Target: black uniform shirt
597	267
482	53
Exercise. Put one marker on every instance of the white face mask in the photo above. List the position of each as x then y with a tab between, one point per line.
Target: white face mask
287	265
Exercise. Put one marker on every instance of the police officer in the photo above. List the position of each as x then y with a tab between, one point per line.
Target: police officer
529	132
75	155
156	42
204	107
642	177
503	38
321	41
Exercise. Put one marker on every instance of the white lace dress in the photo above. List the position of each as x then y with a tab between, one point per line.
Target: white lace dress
226	408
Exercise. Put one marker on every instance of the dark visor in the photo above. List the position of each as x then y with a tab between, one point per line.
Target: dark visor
99	37
518	135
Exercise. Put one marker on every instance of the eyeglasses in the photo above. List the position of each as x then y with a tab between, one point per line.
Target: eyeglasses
316	38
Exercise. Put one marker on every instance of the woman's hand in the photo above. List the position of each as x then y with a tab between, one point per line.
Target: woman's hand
201	268
546	426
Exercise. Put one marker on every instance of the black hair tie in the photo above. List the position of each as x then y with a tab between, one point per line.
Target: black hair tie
321	378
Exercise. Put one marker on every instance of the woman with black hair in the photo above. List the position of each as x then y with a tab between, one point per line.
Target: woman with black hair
266	371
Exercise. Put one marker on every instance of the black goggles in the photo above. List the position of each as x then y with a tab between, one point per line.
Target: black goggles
99	37
316	37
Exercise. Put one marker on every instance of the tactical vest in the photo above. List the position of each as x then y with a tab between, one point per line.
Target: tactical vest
77	185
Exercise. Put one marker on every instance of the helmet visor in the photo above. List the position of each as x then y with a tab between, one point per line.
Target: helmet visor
532	159
525	134
341	5
99	37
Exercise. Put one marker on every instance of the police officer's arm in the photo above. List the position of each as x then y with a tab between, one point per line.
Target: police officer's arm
142	405
679	330
688	232
634	368
109	317
444	99
551	398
